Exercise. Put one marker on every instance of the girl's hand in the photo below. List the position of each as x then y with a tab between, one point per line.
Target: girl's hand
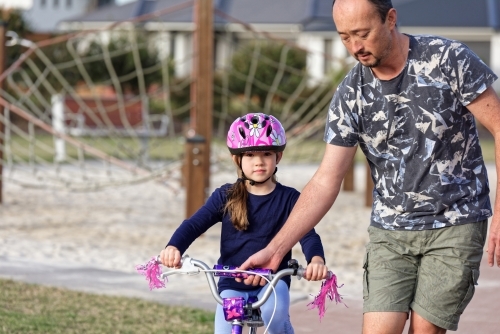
171	257
316	270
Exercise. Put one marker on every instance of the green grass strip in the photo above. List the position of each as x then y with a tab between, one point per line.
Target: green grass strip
29	308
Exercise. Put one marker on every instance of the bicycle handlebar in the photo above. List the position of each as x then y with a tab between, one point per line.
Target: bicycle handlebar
192	266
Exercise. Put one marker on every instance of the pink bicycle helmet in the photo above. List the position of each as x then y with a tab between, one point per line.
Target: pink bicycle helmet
256	132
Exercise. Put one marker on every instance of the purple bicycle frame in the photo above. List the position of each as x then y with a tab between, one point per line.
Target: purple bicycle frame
259	271
234	308
236	329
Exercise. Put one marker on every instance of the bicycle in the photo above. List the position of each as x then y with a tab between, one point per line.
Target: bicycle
238	311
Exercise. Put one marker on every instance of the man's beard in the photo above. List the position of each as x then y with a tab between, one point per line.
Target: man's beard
376	62
372	64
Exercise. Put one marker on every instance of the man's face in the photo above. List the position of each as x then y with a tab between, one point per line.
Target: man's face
363	33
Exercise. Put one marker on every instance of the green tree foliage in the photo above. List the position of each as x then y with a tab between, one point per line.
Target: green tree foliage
119	63
119	53
260	62
272	77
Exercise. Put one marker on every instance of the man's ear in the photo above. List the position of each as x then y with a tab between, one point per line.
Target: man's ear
279	155
392	18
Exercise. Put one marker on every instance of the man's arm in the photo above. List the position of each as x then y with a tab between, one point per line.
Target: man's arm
486	109
315	200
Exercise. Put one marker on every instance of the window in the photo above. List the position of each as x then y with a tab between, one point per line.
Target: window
69	3
328	47
56	3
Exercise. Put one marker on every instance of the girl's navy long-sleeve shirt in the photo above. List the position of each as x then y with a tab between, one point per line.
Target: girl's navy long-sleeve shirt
266	215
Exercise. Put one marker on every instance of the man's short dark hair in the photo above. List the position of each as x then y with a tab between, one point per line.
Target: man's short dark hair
382	6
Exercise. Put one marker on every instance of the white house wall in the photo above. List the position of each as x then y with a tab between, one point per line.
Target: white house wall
223	50
45	17
316	56
163	42
183	52
495	58
339	54
326	53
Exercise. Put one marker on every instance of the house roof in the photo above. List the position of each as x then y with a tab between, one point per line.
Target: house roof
449	13
429	13
312	15
250	11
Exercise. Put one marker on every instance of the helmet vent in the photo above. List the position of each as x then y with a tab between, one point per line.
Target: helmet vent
269	130
242	132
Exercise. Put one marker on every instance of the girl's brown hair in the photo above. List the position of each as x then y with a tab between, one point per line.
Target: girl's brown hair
237	196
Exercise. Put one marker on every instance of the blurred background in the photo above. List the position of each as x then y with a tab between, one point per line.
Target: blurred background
102	93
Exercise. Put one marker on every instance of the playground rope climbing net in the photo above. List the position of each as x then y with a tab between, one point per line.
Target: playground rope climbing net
102	108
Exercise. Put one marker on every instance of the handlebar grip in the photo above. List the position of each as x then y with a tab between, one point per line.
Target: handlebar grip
225	271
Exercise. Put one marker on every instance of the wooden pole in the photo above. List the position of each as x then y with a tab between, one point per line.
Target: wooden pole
201	100
3	57
194	165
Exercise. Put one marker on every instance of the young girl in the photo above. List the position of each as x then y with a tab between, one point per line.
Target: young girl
252	211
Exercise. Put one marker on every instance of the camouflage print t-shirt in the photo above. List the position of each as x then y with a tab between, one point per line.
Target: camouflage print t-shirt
420	140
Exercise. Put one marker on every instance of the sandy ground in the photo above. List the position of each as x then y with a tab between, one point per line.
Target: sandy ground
118	228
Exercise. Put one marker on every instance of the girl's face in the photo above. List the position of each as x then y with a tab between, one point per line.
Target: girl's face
260	165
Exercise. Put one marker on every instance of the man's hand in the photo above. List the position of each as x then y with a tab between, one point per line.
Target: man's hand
494	242
262	259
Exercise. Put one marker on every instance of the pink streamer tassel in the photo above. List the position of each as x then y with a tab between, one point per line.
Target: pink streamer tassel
329	288
152	271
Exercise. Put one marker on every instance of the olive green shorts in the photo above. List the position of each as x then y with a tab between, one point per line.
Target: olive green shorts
432	272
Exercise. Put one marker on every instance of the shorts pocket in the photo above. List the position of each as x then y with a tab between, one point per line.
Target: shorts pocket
470	291
365	276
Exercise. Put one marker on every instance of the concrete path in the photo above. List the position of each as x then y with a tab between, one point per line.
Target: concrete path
480	317
190	291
